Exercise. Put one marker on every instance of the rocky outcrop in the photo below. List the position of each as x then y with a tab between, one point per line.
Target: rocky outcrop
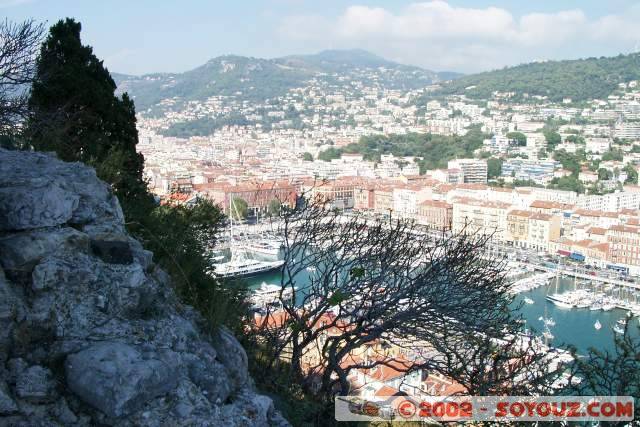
90	330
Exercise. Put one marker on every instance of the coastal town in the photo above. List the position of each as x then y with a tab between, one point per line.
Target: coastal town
318	213
552	177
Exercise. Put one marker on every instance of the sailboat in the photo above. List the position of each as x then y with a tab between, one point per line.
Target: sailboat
597	325
241	263
548	323
619	327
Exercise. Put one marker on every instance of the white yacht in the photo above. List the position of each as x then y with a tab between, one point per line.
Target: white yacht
245	267
268	294
242	263
560	300
270	247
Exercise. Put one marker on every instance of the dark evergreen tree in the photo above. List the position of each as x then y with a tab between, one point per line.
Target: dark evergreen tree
76	113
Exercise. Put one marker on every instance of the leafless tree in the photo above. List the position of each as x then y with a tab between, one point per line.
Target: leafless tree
384	292
19	44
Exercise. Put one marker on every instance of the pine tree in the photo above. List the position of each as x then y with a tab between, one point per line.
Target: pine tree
76	113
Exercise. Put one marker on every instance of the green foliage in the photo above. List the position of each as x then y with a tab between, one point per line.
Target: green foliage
575	139
255	79
604	174
570	161
612	155
583	79
329	154
433	150
76	114
553	138
299	407
204	126
632	174
180	238
274	207
307	157
569	183
494	167
635	148
519	137
239	208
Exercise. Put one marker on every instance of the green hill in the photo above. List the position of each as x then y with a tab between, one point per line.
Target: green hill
582	79
258	79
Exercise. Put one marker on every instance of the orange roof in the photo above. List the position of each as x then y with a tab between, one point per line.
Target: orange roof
624	229
543	204
597	230
385	390
518	212
436	204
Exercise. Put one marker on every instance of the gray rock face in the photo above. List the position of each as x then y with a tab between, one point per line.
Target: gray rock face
23	207
7	404
113	249
35	384
119	379
232	356
90	331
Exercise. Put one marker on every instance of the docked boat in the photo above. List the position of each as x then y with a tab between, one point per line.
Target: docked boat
548	335
618	329
560	300
269	247
246	267
269	294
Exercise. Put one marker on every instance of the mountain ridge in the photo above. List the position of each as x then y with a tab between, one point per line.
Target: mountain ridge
579	79
253	78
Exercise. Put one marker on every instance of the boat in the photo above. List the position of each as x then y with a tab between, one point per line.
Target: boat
268	294
548	335
596	306
618	329
597	325
311	269
560	301
242	264
246	267
270	247
528	300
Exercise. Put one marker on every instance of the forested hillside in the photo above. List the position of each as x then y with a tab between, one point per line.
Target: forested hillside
583	79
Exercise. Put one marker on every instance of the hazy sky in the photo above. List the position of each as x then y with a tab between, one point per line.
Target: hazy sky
140	36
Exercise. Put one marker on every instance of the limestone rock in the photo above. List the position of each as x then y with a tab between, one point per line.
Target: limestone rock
112	248
91	331
119	379
7	404
23	207
36	384
232	356
22	251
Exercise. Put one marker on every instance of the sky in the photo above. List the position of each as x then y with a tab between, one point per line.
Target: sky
143	36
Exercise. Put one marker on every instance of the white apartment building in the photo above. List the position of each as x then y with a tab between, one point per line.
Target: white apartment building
597	145
475	216
474	170
612	202
627	131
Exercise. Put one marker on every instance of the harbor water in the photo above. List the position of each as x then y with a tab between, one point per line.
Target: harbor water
572	326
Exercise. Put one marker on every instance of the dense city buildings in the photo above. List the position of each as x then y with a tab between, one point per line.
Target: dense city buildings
540	175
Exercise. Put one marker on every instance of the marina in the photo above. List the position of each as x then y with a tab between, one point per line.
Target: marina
557	326
562	309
